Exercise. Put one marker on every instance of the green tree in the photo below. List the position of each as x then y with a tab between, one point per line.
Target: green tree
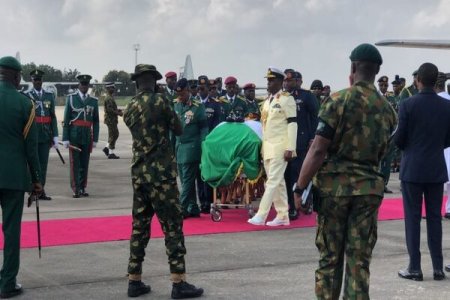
126	86
51	74
70	75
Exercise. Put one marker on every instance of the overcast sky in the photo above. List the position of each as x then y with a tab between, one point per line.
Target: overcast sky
224	37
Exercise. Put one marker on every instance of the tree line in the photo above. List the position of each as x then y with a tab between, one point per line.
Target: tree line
125	88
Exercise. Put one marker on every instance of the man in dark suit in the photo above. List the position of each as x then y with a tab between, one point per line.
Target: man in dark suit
423	170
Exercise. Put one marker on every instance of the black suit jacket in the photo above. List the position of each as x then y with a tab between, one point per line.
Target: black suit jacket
307	117
423	132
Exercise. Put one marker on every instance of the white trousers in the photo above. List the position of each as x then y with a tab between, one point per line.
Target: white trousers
275	191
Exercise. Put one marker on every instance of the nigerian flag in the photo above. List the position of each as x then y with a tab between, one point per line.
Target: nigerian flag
227	149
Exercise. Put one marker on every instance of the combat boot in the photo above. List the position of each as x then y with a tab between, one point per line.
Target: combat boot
183	290
137	288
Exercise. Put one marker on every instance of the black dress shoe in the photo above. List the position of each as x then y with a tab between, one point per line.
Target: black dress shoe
387	191
44	196
413	275
438	275
113	156
76	195
183	290
293	214
447	268
15	292
83	193
447	215
137	288
106	151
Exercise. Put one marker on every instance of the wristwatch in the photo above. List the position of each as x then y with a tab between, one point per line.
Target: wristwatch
298	190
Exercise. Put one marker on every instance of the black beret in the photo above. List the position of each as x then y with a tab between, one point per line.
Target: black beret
181	84
317	83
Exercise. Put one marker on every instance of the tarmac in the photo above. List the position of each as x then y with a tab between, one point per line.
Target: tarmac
250	265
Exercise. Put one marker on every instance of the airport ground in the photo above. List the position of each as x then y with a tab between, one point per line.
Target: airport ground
250	265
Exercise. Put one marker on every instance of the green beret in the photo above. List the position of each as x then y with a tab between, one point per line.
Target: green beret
10	63
366	52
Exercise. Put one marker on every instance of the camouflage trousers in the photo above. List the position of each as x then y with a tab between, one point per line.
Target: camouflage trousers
346	225
149	199
113	135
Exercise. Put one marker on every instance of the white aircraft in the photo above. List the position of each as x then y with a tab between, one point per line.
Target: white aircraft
431	44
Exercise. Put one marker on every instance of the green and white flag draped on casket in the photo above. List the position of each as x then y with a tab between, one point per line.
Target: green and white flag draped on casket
229	149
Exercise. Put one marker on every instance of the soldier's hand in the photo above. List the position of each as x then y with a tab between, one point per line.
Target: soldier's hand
37	188
288	155
55	142
297	201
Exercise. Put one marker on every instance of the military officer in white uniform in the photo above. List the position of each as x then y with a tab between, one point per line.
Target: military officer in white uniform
278	118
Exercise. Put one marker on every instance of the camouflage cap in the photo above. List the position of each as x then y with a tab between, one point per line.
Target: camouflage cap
37	74
181	84
203	80
366	52
144	68
10	62
84	78
383	79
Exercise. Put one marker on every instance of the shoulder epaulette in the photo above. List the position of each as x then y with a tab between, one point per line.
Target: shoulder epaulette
223	99
195	102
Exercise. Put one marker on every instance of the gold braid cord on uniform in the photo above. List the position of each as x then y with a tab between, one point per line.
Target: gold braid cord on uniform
29	122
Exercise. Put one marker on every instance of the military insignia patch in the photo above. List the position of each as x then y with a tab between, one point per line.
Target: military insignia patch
188	116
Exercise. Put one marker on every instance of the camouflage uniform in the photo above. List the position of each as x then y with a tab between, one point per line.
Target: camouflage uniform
150	118
351	188
111	120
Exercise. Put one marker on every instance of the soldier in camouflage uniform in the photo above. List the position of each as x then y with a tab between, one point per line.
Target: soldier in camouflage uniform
46	122
355	125
189	146
80	129
150	117
111	120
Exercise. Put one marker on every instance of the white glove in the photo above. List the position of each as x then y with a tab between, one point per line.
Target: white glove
55	142
66	144
94	144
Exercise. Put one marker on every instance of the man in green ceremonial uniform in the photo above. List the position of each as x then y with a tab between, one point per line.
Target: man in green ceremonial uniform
80	129
111	120
188	148
410	90
47	125
19	159
150	118
253	111
355	125
231	102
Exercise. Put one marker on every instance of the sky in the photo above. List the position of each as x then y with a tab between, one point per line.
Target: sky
224	37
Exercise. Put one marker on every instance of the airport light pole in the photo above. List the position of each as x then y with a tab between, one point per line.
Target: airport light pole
136	48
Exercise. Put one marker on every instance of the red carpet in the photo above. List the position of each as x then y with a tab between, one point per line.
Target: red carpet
116	228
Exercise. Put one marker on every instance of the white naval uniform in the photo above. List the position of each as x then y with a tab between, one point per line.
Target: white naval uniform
447	161
278	136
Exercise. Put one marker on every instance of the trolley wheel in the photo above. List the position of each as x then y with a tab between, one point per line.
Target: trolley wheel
216	215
